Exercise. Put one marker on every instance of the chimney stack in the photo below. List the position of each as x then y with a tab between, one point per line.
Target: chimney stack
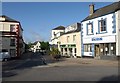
91	9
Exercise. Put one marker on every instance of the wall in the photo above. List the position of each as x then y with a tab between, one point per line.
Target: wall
5	26
95	29
108	37
54	39
118	33
63	40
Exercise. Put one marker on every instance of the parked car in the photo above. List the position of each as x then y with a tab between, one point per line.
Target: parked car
4	55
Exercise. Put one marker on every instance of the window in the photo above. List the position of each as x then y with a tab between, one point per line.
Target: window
12	42
102	25
12	52
12	28
90	28
74	38
68	37
88	48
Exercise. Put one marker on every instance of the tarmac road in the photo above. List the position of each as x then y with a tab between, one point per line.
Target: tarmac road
33	70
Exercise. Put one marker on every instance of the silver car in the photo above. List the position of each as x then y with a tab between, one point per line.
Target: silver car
4	55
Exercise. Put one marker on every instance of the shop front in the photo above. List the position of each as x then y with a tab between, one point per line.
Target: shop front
100	46
68	50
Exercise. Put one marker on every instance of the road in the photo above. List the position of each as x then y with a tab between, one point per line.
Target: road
35	70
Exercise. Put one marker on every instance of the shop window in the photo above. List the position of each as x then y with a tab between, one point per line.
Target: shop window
88	48
107	52
108	49
113	49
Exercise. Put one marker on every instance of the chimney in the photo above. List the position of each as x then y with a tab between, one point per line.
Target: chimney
91	9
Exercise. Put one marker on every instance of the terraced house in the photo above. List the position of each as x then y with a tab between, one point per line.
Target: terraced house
100	32
70	41
67	40
11	36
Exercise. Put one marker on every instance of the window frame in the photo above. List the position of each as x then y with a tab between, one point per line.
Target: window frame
102	25
68	37
74	38
92	31
12	27
12	43
87	47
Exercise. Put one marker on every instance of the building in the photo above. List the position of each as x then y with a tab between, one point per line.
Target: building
11	36
70	41
36	46
100	31
55	34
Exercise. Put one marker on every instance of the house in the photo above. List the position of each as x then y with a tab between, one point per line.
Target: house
36	46
11	34
55	34
100	32
70	41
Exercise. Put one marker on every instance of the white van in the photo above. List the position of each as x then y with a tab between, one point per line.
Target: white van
4	55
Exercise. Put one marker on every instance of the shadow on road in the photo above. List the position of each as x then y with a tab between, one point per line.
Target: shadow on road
8	73
113	79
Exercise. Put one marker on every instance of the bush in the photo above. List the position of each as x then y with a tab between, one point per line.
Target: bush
55	53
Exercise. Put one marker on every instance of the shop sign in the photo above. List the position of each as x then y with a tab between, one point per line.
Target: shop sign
97	39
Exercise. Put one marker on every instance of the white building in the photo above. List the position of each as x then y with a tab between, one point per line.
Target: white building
70	41
55	34
100	31
36	47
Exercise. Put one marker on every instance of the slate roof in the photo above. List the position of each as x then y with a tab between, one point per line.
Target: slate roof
59	28
8	19
104	11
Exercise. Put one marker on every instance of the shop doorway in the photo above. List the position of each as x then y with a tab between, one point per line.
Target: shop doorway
97	50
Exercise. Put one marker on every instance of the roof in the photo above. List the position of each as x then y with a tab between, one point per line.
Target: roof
104	11
8	19
59	28
35	42
77	30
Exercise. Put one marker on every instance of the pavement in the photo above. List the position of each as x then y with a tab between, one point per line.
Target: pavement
80	61
12	64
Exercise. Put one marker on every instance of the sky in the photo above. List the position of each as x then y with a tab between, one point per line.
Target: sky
39	18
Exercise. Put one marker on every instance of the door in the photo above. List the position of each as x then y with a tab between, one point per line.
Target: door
97	51
70	52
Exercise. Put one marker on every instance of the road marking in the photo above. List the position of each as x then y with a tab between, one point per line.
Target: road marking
43	66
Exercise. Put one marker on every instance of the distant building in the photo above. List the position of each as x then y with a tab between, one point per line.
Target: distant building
70	41
55	34
12	36
36	46
101	31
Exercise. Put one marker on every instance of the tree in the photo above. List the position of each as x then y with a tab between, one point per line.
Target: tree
29	45
45	45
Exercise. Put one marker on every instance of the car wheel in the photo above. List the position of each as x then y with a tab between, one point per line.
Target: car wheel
5	59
